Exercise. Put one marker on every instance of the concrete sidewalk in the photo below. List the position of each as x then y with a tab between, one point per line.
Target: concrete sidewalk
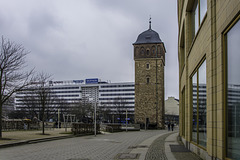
160	147
13	138
175	150
164	146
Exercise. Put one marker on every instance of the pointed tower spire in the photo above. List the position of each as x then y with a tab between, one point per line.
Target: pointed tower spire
150	22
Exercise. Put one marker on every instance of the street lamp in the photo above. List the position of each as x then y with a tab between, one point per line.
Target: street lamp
58	117
95	117
126	120
95	121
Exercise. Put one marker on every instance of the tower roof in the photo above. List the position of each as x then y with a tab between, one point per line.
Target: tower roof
148	36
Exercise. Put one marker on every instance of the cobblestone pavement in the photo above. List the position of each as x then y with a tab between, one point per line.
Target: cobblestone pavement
156	150
160	149
102	147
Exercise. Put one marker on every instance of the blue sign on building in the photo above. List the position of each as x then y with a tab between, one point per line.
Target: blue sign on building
92	81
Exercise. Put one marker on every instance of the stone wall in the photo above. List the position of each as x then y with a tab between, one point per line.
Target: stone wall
147	92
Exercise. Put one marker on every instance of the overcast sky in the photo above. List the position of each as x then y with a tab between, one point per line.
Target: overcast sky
79	39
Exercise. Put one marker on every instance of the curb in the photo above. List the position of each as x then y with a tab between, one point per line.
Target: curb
38	140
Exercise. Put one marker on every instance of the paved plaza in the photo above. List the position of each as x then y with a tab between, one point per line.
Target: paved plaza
149	145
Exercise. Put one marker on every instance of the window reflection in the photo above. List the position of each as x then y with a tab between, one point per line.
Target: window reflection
233	97
194	93
202	105
196	22
203	9
183	112
199	127
199	11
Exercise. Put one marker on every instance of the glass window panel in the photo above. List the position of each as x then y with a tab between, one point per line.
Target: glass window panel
194	98
203	9
202	121
183	112
233	101
196	22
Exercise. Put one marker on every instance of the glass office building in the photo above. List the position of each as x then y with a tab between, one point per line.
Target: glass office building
209	77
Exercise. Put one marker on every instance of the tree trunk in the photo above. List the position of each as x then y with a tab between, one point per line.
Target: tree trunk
1	120
43	119
43	127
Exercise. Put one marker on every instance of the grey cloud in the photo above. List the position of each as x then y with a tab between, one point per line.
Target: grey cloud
87	39
42	22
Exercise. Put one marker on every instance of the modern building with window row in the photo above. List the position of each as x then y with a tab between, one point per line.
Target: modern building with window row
209	77
115	97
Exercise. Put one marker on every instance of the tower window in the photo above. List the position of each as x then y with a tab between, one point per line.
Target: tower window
148	52
148	80
148	66
142	51
153	50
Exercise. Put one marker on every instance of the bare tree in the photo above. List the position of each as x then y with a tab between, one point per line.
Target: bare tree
109	110
64	107
81	110
104	113
39	98
12	76
32	102
120	104
30	105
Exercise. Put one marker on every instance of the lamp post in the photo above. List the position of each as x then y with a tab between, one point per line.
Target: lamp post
95	119
126	121
58	117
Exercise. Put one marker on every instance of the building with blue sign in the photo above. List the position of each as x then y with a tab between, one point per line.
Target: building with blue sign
92	81
114	98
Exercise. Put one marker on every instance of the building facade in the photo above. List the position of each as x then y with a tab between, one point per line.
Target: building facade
114	97
8	107
172	110
149	57
209	80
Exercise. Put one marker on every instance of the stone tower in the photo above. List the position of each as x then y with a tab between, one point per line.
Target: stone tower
149	57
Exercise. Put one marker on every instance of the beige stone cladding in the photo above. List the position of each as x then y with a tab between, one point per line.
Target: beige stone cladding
193	48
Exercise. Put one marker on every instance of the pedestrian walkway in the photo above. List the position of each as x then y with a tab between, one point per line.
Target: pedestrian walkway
163	147
13	138
160	146
175	150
